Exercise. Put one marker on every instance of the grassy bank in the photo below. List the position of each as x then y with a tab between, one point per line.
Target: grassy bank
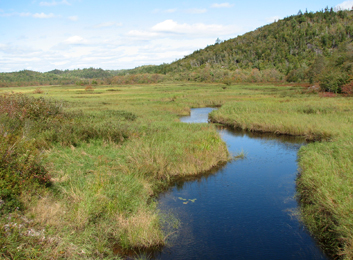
102	156
325	185
105	153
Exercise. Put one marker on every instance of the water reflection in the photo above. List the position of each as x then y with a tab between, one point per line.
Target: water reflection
243	209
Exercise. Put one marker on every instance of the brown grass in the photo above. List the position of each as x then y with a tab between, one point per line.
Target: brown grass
89	88
49	212
38	91
140	229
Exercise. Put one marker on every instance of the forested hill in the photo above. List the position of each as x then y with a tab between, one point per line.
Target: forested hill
307	47
286	45
54	77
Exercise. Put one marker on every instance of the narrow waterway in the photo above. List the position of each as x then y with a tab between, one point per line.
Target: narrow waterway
245	209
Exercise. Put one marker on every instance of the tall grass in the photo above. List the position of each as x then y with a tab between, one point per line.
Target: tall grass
107	157
109	153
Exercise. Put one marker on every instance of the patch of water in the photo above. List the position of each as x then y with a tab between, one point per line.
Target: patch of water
246	210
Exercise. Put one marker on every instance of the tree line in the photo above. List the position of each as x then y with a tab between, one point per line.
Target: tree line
306	47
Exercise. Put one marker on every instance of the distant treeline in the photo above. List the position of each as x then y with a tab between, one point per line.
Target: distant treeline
307	47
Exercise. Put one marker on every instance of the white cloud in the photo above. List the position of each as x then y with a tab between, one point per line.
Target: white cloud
168	11
23	14
196	11
54	3
142	34
36	15
345	5
43	15
272	19
77	53
15	14
222	5
75	40
170	26
107	24
59	63
73	18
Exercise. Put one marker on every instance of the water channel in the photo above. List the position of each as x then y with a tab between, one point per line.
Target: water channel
246	209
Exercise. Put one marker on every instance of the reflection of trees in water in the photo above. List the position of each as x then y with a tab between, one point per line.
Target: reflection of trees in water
179	182
138	253
288	142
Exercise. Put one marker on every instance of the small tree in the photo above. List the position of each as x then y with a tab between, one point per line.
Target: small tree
332	80
218	41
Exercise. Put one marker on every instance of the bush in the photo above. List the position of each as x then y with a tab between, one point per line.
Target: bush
89	88
38	91
348	89
27	125
20	170
297	75
20	165
332	80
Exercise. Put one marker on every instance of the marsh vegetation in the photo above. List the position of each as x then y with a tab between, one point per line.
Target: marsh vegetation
80	169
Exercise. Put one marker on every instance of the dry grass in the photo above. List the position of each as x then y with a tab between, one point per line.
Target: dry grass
140	229
38	91
49	212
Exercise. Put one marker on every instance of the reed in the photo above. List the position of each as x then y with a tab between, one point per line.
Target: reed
109	153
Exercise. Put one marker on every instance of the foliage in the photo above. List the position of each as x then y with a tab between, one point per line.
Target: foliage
20	162
332	80
298	48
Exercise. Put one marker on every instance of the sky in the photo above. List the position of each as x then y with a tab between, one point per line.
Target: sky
43	35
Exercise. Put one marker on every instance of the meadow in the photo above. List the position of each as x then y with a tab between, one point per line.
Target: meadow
95	158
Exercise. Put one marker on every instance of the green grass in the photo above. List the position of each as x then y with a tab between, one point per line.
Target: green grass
108	156
109	153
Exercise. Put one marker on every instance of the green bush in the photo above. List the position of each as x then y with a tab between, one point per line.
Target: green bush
20	170
332	80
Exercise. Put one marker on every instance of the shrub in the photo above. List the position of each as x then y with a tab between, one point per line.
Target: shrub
20	164
297	75
332	80
327	94
89	88
348	89
227	81
21	107
38	91
20	170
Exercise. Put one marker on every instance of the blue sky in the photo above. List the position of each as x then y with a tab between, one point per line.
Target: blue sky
43	35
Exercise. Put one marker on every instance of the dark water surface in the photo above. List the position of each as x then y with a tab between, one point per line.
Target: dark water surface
246	210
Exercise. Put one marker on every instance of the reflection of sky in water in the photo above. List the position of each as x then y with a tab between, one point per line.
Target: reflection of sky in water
244	210
199	115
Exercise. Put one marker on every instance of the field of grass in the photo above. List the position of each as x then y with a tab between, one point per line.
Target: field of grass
110	150
107	152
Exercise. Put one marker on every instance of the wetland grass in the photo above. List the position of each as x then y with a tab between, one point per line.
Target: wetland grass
109	155
106	164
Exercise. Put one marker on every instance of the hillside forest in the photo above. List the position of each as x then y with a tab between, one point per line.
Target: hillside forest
314	48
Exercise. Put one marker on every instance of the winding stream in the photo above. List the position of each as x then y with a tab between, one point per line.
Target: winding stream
244	210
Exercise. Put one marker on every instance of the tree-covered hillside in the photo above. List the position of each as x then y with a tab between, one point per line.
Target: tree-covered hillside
307	47
28	77
287	44
290	46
